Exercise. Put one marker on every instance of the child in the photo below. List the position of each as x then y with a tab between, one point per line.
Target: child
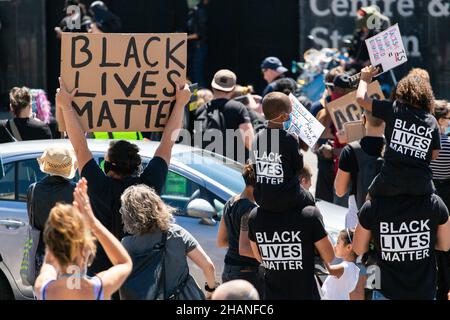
412	135
306	177
344	281
277	160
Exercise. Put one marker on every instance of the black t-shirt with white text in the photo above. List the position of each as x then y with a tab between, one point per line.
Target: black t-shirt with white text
286	244
404	230
277	160
411	134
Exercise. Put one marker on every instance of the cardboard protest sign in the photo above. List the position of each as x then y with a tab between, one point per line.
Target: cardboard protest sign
386	49
126	82
304	124
346	109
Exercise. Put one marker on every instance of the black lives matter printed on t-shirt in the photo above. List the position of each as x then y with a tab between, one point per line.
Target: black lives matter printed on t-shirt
286	244
411	134
404	229
277	161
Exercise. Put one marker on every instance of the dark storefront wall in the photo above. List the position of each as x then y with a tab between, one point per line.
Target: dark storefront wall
22	46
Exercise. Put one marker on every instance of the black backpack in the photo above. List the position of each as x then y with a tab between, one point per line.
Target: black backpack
146	282
369	167
211	117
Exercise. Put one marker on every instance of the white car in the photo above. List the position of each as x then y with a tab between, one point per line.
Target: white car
198	185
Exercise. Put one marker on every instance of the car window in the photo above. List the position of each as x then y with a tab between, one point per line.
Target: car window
178	191
28	173
7	183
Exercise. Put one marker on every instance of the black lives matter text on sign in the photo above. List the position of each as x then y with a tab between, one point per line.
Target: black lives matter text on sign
125	82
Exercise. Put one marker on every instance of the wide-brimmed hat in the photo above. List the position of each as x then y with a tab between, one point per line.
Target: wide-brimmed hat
58	162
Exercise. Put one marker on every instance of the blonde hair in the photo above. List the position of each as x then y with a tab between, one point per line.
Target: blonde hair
143	211
67	236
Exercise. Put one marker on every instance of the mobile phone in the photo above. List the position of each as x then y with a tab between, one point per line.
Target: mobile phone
354	130
193	87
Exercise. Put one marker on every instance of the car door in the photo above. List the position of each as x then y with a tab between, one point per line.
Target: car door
19	175
180	189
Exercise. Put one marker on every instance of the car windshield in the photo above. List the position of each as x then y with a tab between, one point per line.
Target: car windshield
222	170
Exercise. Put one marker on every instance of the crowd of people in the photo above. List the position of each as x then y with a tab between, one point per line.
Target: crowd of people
395	182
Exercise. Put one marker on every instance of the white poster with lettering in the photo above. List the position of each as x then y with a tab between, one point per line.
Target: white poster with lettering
304	124
386	49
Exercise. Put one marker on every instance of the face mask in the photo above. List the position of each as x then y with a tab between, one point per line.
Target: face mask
287	124
107	166
335	96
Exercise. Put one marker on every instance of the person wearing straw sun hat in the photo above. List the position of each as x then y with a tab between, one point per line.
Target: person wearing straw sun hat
59	162
60	165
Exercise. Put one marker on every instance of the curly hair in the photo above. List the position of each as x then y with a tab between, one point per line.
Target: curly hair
19	98
415	90
125	157
66	235
143	211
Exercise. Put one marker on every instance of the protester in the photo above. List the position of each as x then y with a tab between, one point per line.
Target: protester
235	215
24	126
60	165
198	42
406	229
369	22
273	71
441	179
76	18
305	177
342	283
104	20
340	87
441	166
245	96
285	244
236	290
223	115
323	148
69	237
359	164
43	111
277	160
148	220
407	163
122	164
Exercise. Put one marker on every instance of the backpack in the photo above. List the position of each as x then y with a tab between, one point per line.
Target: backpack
369	167
31	264
146	280
211	117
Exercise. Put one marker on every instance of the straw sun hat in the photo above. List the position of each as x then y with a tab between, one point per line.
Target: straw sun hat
58	162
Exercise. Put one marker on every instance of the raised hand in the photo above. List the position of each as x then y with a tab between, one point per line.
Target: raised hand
82	203
368	73
64	97
183	95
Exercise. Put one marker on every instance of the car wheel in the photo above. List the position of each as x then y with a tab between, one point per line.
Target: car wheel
5	289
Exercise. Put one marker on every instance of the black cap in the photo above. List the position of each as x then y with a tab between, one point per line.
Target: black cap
343	81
